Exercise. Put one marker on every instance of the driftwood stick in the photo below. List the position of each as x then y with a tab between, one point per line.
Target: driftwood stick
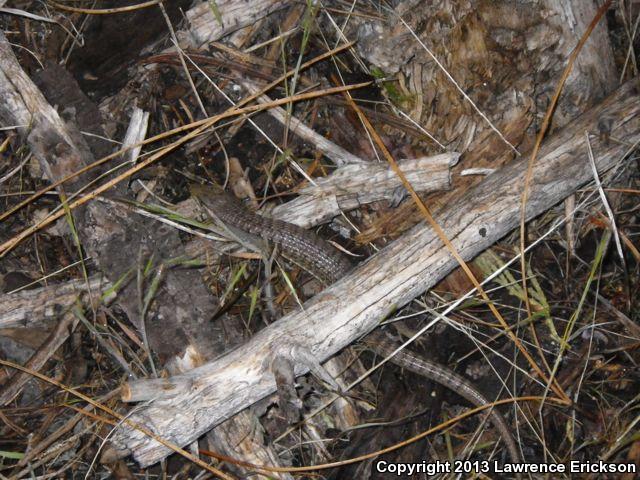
23	105
204	27
352	186
188	405
29	308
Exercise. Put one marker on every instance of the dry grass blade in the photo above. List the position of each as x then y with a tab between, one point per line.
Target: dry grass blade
605	202
104	11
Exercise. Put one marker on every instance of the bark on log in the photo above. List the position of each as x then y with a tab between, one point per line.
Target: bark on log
234	14
23	105
195	402
352	186
29	308
594	74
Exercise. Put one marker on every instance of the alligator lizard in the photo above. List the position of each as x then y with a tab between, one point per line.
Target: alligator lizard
324	262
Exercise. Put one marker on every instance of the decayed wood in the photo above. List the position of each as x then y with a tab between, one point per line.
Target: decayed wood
594	74
243	437
23	105
205	26
29	308
352	186
190	404
515	51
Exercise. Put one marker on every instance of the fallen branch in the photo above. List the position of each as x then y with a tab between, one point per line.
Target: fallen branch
29	308
205	26
352	186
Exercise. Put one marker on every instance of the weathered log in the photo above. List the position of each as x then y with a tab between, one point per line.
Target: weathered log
23	105
29	308
352	186
190	404
205	26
